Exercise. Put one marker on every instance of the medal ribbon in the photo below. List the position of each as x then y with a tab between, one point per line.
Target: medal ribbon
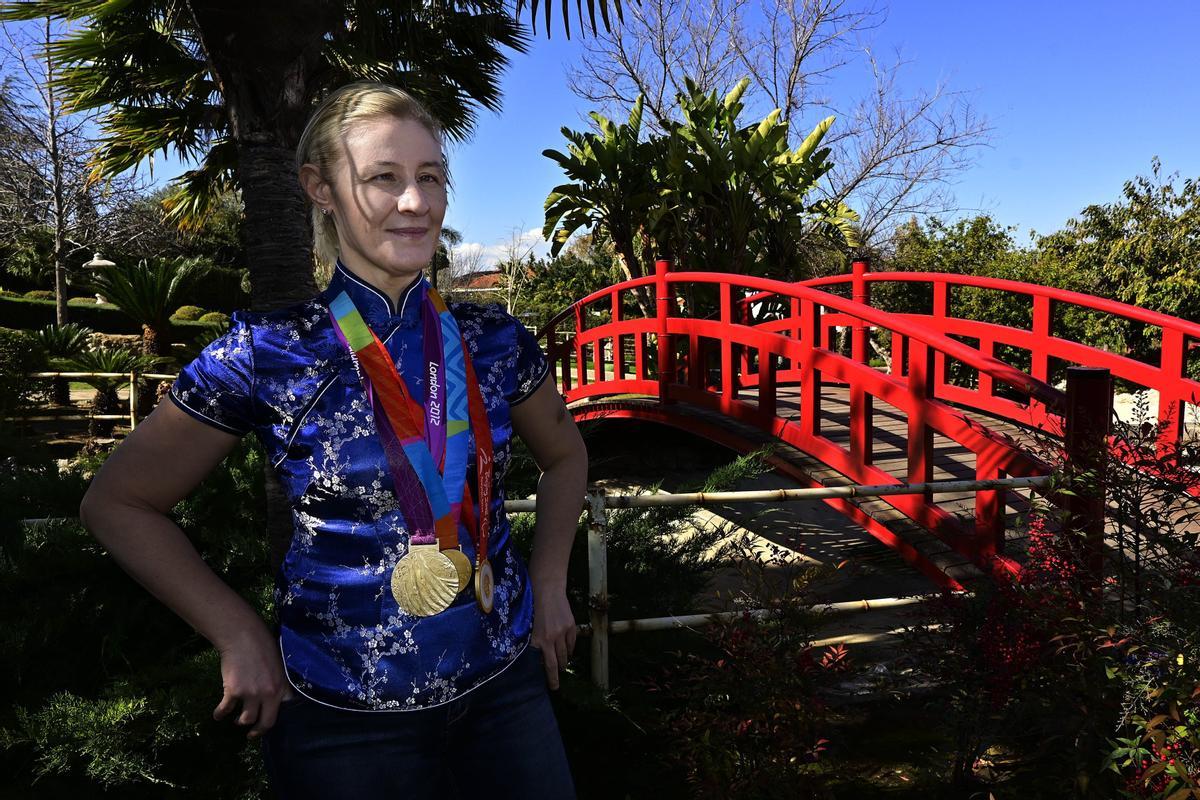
426	448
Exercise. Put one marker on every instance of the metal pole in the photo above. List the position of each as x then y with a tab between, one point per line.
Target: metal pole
598	585
132	400
1089	412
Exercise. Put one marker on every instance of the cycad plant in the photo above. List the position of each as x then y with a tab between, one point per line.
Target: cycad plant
61	343
107	359
149	292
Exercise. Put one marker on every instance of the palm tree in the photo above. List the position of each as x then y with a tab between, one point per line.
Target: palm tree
448	239
231	87
232	91
148	292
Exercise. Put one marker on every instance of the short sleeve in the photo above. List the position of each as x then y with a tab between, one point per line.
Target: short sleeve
217	388
531	366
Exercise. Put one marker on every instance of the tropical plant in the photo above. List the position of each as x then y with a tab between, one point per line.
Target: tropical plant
708	194
109	360
231	91
612	188
60	343
63	341
147	292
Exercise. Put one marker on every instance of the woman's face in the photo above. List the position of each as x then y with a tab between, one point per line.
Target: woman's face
388	198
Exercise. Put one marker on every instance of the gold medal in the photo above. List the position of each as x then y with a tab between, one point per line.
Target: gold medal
425	581
462	564
484	586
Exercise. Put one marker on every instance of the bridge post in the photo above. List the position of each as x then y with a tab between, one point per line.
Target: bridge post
810	376
860	293
1172	358
921	387
1039	354
666	354
618	347
862	407
1089	414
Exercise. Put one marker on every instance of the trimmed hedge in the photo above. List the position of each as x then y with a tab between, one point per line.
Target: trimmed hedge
40	294
20	312
215	318
189	313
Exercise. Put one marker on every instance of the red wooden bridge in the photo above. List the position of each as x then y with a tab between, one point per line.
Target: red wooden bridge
747	361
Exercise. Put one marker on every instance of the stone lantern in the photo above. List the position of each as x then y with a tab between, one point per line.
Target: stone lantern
98	263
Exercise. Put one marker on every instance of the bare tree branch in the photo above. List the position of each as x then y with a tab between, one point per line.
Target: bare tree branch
895	152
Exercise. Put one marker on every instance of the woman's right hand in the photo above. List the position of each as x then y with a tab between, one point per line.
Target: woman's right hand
253	678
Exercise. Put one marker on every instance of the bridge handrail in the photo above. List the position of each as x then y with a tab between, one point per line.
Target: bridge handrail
1080	299
1023	382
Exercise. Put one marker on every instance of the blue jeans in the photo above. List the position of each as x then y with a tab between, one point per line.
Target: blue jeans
498	741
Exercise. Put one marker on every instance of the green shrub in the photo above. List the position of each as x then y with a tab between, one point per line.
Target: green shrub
221	289
40	294
130	710
215	318
9	293
19	355
189	313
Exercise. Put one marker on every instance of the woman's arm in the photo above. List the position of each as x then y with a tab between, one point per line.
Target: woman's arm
546	427
126	507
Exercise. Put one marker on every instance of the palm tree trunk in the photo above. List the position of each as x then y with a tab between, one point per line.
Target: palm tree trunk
103	402
264	72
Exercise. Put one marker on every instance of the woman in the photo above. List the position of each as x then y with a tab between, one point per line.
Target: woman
401	595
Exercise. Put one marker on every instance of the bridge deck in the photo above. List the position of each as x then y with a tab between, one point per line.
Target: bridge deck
951	461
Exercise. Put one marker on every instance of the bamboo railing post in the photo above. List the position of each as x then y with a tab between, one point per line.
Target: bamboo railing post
597	538
132	400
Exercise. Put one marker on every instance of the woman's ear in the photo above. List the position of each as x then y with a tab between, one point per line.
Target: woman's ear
316	187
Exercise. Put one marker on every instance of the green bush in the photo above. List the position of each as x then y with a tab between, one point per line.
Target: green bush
40	294
220	288
21	312
19	355
130	710
9	293
215	318
189	313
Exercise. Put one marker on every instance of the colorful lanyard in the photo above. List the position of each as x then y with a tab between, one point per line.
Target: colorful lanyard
425	445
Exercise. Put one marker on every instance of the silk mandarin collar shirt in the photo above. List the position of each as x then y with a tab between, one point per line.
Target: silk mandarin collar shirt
284	376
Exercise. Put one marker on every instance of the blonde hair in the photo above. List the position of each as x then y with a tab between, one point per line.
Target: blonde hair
335	117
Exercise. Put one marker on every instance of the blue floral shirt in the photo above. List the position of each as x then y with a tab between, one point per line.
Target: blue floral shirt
284	376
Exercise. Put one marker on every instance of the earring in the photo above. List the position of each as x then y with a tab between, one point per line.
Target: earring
325	211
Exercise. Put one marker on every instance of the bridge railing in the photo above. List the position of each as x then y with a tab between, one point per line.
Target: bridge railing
671	357
1041	341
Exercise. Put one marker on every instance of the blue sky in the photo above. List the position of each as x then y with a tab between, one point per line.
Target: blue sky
1080	94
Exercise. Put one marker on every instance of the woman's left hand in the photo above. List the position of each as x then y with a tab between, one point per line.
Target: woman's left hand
548	430
553	630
